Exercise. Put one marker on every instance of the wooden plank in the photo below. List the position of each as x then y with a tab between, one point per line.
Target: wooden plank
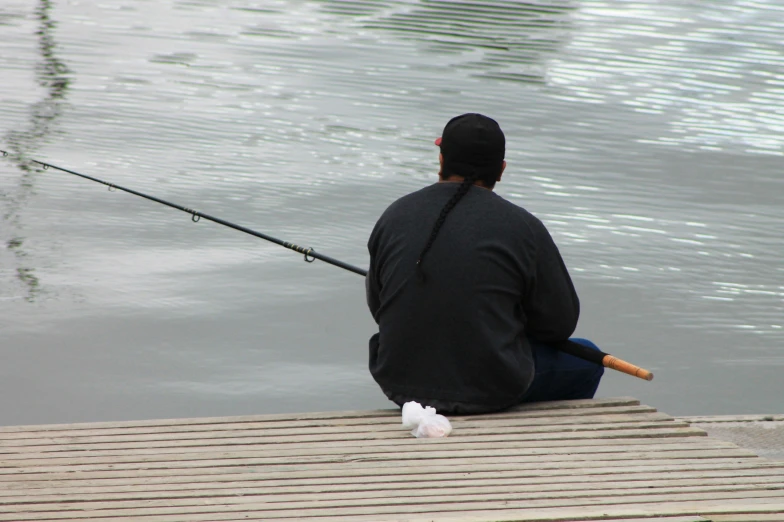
91	436
344	461
369	472
577	431
360	491
749	517
546	424
444	448
454	445
687	518
539	406
732	418
298	503
265	511
397	482
399	444
380	459
654	511
557	439
76	430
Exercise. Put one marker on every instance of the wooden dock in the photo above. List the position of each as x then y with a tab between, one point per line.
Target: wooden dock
604	459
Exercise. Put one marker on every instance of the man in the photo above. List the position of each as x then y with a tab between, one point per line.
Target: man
468	289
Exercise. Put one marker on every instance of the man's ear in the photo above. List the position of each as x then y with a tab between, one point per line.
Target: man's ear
503	166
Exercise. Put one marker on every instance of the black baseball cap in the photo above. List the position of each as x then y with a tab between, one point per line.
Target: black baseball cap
472	141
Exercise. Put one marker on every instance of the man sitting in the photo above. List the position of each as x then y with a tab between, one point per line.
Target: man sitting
468	289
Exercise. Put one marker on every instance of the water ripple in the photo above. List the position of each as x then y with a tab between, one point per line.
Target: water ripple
646	135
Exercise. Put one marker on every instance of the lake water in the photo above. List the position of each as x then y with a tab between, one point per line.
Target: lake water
647	135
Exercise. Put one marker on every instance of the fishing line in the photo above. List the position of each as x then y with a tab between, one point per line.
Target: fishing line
570	347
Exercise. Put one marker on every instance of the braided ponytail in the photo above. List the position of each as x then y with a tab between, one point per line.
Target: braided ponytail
462	190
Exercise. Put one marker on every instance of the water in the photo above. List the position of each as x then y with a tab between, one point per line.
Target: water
647	135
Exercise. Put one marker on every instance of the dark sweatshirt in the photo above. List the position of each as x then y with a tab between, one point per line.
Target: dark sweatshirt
457	341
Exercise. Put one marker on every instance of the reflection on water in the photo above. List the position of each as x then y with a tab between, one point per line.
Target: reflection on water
715	73
505	40
53	76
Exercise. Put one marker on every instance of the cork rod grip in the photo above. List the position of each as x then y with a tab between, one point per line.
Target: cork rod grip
622	366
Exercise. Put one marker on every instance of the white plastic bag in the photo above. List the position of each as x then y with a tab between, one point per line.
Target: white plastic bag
426	423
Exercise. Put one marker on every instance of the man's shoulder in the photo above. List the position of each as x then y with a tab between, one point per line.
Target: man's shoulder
513	208
399	211
435	193
517	214
427	192
410	201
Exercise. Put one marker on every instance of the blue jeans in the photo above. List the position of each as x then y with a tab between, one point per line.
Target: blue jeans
560	376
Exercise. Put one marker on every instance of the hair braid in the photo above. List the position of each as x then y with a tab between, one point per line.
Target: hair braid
462	190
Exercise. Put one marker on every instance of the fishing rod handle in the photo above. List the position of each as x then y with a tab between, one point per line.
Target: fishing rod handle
622	366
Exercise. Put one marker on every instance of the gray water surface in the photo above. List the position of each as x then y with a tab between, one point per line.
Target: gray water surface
647	135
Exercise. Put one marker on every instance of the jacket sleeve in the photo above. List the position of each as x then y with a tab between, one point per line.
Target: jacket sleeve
551	304
372	283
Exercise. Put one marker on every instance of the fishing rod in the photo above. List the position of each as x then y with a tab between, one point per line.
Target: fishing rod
196	216
570	347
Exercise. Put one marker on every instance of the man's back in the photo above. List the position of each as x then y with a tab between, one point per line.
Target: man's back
456	338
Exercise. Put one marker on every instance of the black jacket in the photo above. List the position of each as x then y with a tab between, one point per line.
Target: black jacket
493	277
